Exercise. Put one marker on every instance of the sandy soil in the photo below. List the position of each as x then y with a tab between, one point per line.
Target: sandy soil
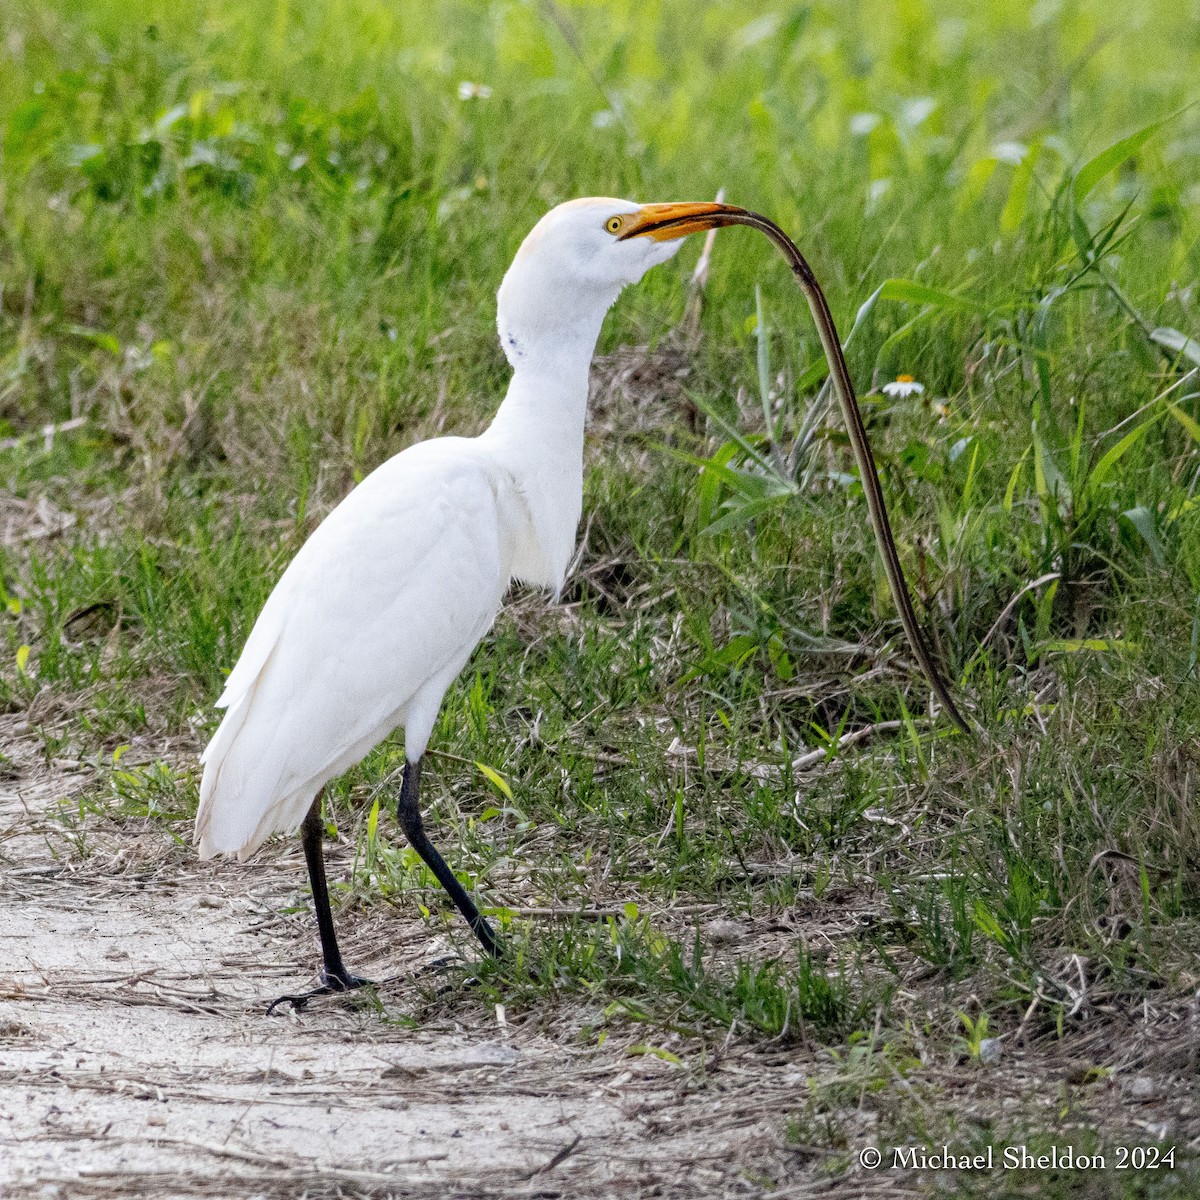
136	1057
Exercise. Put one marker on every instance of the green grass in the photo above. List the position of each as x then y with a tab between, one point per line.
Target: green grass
255	246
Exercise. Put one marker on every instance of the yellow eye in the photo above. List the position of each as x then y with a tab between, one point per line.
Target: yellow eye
613	224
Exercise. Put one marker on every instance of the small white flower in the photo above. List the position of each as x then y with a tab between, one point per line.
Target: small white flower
1011	153
916	110
474	91
904	385
876	192
862	123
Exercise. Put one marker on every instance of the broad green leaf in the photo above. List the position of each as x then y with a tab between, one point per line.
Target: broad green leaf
986	922
1045	613
1142	519
1013	212
764	362
106	341
717	467
736	514
815	372
1179	342
908	291
745	483
22	658
1013	480
727	429
1188	422
1048	478
1110	159
495	779
1041	356
735	651
708	493
904	291
1075	645
1104	468
1187	506
864	311
1081	235
780	659
976	181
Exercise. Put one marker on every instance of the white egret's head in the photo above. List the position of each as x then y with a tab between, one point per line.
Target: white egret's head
576	260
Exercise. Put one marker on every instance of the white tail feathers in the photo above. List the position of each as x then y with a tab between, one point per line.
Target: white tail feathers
238	807
228	817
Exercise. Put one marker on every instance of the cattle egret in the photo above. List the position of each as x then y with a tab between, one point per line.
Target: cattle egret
385	602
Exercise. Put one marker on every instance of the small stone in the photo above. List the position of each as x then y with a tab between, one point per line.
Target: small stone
991	1050
1142	1087
720	931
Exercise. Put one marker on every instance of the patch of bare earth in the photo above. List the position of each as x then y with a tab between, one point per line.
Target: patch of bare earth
137	1059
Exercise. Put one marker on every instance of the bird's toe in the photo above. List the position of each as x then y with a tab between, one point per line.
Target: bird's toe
331	983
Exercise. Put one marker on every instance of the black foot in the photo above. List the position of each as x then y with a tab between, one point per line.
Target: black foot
345	982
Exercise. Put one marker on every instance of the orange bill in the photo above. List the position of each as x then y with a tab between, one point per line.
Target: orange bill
663	222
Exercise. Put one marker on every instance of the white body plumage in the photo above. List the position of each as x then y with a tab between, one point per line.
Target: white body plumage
384	604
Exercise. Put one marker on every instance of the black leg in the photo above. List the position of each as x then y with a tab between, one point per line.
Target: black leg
334	976
408	811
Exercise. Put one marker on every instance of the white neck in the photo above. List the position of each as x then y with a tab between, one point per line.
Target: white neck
537	438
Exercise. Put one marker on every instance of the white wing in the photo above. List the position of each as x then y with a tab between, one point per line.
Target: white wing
370	622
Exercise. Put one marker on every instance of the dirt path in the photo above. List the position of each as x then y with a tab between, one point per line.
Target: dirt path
136	1058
